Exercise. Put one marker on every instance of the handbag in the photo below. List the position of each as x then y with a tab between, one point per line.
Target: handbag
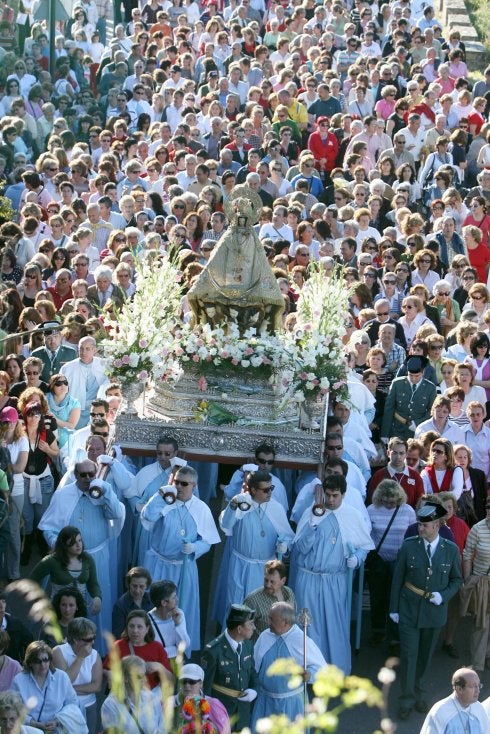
374	564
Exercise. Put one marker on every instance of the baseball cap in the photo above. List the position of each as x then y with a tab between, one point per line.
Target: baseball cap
9	415
192	672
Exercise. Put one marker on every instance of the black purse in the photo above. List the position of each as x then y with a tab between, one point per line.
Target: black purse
374	564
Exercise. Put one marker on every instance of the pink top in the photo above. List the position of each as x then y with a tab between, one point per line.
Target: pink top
9	669
384	108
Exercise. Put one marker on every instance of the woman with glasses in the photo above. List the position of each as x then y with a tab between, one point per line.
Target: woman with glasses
83	665
59	259
413	318
449	311
64	407
360	344
32	369
478	217
441	473
478	301
48	693
424	273
191	681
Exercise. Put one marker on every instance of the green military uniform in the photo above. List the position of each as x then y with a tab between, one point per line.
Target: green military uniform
402	407
414	580
229	671
221	668
53	366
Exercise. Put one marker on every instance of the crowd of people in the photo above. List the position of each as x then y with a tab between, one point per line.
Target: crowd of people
358	127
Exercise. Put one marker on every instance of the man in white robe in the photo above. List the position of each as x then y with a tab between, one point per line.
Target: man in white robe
283	639
461	712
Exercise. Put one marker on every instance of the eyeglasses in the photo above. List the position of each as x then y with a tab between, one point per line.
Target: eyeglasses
180	483
40	661
59	383
86	474
383	313
389	282
408	306
477	298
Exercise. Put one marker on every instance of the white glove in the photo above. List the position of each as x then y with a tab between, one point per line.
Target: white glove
98	483
281	547
105	459
242	497
315	519
177	461
168	489
188	548
395	617
352	562
436	598
250	467
248	695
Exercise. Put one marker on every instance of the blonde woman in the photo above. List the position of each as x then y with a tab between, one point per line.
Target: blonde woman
413	318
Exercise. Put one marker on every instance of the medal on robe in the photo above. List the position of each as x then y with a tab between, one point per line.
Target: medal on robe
182	532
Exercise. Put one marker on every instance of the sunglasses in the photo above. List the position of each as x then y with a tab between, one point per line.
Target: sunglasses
189	681
265	461
180	483
383	313
87	639
438	451
86	474
59	383
40	661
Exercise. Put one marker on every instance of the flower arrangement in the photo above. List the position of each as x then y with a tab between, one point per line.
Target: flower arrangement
227	353
321	310
196	713
141	324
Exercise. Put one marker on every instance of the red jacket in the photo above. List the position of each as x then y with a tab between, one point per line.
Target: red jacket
412	485
324	150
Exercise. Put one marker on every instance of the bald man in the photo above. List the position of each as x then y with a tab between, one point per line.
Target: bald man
461	711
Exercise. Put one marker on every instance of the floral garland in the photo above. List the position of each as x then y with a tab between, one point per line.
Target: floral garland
214	350
196	712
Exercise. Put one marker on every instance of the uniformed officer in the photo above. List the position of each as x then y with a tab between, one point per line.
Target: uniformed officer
229	667
408	402
427	575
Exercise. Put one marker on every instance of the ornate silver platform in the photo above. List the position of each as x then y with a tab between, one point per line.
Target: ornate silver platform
171	411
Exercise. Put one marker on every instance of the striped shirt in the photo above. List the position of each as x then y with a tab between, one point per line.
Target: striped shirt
478	548
261	601
380	517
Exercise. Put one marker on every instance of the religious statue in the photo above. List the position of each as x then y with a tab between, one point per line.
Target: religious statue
237	285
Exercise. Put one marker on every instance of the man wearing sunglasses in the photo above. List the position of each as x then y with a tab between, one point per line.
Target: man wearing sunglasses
100	520
181	529
264	459
53	355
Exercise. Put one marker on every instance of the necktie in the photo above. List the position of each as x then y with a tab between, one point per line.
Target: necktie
238	653
103	298
429	553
